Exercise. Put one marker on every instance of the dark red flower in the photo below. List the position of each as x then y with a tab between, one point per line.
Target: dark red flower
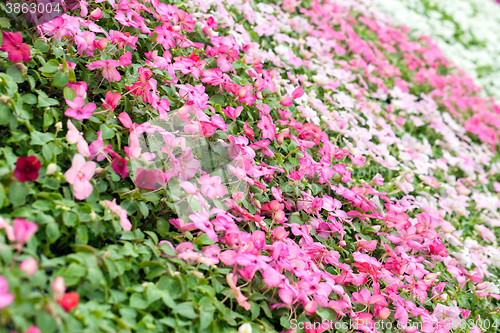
27	168
69	301
14	46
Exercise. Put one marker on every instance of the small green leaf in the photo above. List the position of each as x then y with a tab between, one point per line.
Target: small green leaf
60	79
70	219
17	193
217	99
15	73
186	310
69	93
138	302
52	231
44	100
39	138
5	114
41	45
50	67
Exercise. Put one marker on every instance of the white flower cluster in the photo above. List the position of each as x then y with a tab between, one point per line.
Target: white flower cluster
466	30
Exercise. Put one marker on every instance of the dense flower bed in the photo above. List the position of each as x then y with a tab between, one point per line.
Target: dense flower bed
466	31
210	166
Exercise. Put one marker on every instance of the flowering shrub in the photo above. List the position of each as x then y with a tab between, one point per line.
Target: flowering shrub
359	173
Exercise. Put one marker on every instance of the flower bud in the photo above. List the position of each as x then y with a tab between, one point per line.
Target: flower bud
29	266
51	168
245	328
58	288
96	14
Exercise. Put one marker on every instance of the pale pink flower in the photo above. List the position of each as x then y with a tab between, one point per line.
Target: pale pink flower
74	136
211	186
378	179
120	212
5	297
79	175
24	230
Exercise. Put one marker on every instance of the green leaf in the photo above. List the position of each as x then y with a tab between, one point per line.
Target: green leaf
52	231
17	193
69	93
143	208
60	79
73	274
39	138
206	318
30	99
4	22
138	302
50	67
41	45
186	310
5	114
44	100
45	322
15	73
218	99
70	219
107	133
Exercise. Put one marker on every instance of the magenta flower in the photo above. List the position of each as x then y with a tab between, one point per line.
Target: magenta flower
79	175
77	110
14	46
5	297
27	168
24	230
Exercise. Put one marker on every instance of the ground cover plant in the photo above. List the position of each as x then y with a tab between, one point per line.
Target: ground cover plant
224	166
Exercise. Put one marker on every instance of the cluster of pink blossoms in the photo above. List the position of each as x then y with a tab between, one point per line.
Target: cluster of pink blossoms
338	103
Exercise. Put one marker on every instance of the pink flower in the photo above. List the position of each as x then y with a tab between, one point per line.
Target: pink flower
14	46
378	179
24	230
120	212
232	112
297	93
240	298
29	266
79	175
77	110
267	127
211	186
111	100
202	222
486	233
33	329
96	14
109	70
5	297
365	297
74	136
